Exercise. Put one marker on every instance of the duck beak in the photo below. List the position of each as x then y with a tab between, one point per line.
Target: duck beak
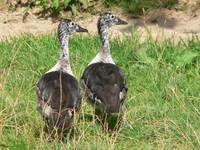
80	29
120	22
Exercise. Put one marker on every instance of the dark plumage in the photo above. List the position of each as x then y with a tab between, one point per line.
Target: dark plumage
58	93
105	81
61	92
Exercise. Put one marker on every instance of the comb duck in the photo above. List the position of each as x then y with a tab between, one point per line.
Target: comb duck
103	81
58	92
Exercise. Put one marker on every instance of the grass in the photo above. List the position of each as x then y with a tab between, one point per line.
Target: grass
162	106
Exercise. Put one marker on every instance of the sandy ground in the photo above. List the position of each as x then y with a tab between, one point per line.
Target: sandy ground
160	24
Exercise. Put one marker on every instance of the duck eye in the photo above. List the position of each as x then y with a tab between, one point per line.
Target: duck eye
112	16
72	23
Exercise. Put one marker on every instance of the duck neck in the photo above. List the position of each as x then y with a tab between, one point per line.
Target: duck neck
64	60
64	44
104	35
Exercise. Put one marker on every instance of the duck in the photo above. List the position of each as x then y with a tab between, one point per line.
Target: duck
58	91
103	82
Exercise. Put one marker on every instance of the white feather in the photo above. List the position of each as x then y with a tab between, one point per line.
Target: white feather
61	65
121	95
47	111
97	100
102	57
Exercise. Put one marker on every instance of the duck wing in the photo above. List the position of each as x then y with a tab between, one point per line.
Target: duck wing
105	83
57	92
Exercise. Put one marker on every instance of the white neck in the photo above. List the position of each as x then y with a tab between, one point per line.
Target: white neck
64	51
63	63
104	35
104	54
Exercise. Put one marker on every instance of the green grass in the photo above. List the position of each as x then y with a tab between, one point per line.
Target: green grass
162	106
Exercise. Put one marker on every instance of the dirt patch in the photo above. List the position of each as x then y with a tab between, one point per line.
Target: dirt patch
159	24
12	24
164	23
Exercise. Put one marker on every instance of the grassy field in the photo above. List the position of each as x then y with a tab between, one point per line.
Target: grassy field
162	106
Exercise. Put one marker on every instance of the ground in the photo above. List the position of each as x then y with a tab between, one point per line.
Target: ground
159	24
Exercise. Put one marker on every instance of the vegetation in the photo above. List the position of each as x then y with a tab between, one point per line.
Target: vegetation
162	107
55	7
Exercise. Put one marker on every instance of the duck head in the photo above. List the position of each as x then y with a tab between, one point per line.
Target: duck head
68	27
107	19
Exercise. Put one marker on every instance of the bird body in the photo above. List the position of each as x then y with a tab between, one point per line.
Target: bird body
58	97
105	85
58	92
103	80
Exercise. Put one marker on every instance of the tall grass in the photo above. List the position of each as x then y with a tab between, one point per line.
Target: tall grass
162	106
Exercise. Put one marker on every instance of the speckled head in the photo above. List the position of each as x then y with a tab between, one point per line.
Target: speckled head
107	19
68	26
